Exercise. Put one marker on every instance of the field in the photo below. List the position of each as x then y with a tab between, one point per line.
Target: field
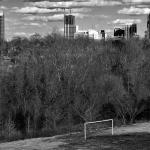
131	137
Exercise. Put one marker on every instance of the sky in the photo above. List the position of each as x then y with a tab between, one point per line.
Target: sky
26	17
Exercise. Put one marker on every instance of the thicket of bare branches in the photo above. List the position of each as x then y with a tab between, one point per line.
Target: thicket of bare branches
56	83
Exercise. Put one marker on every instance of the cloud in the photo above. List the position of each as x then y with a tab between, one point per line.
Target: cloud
36	10
75	3
126	21
52	18
86	3
3	7
50	0
35	24
20	34
99	16
33	10
136	1
134	11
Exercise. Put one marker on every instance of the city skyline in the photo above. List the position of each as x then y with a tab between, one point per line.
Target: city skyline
26	17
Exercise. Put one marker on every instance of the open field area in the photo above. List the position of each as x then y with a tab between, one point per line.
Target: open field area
132	137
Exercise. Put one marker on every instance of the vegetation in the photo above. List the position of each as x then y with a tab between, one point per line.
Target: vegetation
56	84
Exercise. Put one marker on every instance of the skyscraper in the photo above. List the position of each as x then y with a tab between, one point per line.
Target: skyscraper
127	32
103	34
130	31
1	27
148	26
133	30
69	26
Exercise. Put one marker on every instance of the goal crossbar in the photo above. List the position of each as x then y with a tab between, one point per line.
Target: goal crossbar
86	123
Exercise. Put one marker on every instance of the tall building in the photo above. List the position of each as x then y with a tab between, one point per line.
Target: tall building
69	26
148	26
146	34
1	27
133	30
130	31
103	34
127	32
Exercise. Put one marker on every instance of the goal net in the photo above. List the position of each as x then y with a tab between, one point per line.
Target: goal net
97	128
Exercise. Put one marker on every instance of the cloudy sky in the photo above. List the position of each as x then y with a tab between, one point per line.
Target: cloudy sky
26	17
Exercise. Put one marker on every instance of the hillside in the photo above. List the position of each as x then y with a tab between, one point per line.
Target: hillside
133	137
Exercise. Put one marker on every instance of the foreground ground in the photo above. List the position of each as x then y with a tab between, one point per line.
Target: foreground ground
134	137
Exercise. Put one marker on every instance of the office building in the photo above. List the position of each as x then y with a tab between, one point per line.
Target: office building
127	32
133	30
146	34
1	27
130	31
103	34
119	33
148	26
69	26
90	33
81	34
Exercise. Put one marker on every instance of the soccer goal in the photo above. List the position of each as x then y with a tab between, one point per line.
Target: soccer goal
103	127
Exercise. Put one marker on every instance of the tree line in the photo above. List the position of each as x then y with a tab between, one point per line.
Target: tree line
56	84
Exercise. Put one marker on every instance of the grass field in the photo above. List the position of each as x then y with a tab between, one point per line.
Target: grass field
117	142
133	137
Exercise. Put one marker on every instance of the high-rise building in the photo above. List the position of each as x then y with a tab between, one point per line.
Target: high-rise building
146	34
133	30
1	27
148	26
103	34
69	26
127	32
130	31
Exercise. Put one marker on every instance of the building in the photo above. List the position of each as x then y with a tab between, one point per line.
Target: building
146	34
127	32
69	26
1	27
130	31
133	30
91	34
148	26
119	33
94	34
81	34
103	34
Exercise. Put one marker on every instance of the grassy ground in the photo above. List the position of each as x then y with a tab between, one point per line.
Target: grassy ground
133	137
140	141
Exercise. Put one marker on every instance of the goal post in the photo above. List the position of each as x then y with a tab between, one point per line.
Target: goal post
86	124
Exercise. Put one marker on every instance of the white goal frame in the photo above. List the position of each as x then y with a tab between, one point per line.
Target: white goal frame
86	123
